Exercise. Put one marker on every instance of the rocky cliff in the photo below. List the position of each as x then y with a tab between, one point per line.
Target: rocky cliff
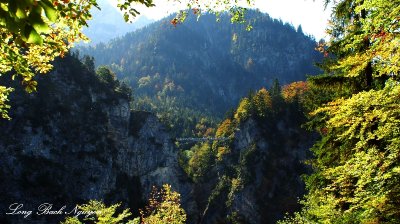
255	176
74	140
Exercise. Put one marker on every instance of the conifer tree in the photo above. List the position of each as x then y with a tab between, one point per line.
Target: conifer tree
276	88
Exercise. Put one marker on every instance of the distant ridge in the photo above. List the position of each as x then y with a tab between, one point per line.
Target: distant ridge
203	68
108	23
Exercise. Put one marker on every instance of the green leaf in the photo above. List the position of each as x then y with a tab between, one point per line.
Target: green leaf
21	14
4	7
37	22
40	26
50	11
33	36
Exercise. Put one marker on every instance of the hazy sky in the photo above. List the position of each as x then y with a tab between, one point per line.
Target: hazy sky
309	13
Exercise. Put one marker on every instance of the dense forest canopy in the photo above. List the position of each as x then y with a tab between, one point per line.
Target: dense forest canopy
193	73
34	33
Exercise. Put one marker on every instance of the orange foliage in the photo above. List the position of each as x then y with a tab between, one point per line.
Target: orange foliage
225	129
174	22
294	90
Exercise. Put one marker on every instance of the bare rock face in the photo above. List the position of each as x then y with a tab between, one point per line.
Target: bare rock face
274	185
76	140
259	180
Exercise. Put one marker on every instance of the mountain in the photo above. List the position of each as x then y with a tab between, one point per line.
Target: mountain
203	68
108	23
251	173
76	140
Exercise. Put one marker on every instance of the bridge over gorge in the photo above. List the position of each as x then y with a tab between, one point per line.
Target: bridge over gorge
187	140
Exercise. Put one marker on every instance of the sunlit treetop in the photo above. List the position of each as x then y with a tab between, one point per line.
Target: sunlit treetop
295	90
365	38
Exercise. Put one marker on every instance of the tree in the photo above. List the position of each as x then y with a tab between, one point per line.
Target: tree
107	76
244	109
299	29
358	158
356	165
163	207
364	39
88	61
201	161
262	103
33	33
3	101
357	168
276	95
276	88
97	212
226	128
125	90
294	91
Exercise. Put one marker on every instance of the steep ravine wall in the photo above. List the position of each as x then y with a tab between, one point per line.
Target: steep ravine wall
259	180
75	140
72	141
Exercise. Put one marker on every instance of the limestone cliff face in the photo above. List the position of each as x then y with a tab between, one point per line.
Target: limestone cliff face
275	184
258	181
76	140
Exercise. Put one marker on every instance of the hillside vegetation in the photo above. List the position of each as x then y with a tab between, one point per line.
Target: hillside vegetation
200	69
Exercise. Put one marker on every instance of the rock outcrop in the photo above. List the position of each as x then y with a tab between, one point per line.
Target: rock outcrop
75	140
259	179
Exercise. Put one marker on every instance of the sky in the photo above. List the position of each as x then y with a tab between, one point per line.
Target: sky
310	14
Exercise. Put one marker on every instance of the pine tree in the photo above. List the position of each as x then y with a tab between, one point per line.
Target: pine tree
276	88
299	29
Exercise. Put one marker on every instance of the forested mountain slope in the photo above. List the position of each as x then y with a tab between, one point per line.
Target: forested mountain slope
202	68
